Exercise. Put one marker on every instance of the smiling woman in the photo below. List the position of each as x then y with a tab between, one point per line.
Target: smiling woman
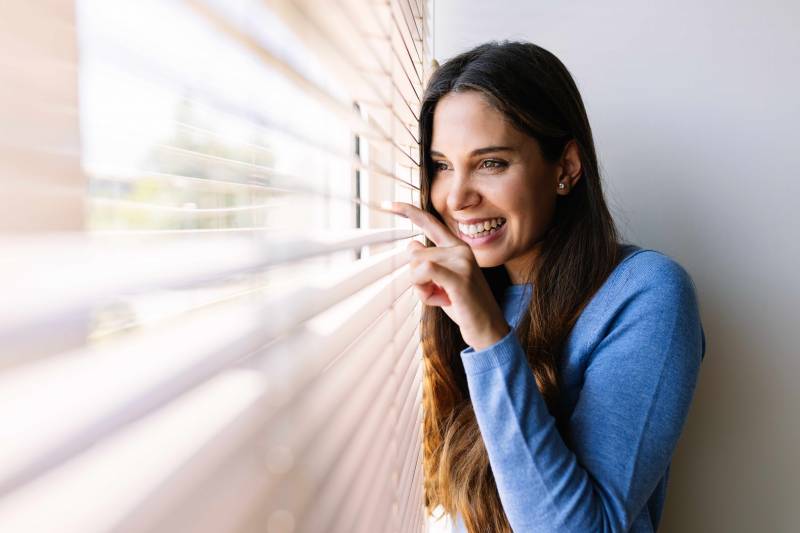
560	363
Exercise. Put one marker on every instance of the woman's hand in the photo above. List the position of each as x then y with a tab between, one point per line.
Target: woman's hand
448	276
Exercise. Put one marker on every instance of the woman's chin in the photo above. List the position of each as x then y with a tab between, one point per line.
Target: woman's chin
488	260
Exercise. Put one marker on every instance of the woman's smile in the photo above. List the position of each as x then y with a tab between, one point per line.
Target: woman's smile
482	233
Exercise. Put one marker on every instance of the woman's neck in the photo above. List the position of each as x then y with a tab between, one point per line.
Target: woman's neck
520	268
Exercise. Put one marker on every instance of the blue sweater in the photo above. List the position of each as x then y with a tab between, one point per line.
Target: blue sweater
629	371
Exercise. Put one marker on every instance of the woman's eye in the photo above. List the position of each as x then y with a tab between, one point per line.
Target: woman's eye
439	165
493	164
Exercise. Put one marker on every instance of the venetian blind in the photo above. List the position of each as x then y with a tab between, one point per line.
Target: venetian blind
226	339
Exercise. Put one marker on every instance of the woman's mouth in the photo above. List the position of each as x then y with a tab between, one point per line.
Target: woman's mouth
482	232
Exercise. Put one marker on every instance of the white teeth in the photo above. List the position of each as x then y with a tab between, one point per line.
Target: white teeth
486	225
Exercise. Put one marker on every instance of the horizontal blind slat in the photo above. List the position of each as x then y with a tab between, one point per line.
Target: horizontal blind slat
95	272
375	462
299	432
152	448
272	59
95	400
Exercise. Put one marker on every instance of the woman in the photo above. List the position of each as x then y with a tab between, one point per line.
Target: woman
560	364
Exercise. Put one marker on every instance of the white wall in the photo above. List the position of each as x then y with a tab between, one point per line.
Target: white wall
694	107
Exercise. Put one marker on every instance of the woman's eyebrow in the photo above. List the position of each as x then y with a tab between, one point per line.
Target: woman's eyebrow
480	151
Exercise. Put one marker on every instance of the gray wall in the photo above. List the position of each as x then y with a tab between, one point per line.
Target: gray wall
694	107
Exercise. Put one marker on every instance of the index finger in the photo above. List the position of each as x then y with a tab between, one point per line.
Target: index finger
433	228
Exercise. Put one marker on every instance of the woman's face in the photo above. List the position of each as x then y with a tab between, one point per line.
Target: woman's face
487	171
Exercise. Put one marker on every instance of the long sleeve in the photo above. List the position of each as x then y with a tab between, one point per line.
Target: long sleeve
638	382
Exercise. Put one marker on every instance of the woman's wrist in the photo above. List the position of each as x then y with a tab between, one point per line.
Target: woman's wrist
489	337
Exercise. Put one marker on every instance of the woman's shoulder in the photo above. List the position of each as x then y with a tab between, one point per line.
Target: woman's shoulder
648	277
645	267
645	287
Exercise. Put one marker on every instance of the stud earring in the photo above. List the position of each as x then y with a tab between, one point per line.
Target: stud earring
562	186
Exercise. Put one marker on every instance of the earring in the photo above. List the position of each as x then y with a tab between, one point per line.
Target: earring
562	186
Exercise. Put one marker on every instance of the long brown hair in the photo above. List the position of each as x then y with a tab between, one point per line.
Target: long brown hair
536	92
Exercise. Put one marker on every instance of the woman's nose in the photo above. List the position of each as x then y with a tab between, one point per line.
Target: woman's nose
462	194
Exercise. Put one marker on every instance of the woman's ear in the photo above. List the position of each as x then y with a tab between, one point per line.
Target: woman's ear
569	168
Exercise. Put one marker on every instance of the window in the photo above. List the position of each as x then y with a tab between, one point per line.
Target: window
213	331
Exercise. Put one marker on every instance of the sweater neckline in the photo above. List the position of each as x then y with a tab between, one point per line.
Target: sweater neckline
518	288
